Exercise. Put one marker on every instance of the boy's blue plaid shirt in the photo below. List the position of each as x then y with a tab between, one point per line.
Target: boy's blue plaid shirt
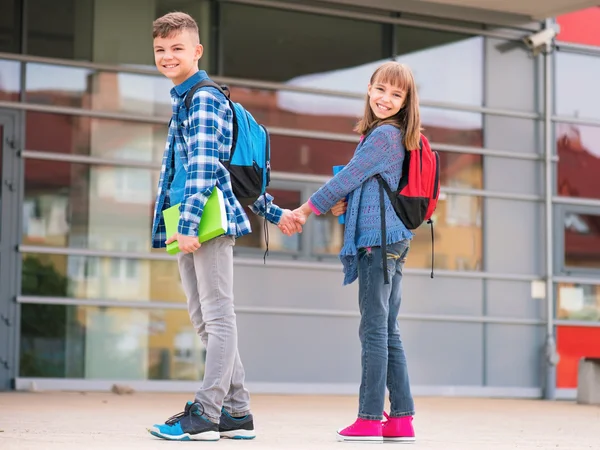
202	140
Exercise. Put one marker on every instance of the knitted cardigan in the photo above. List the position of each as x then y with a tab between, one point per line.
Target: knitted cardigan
382	152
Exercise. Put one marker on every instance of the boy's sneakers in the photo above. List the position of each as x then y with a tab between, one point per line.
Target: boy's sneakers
398	429
362	431
189	425
236	427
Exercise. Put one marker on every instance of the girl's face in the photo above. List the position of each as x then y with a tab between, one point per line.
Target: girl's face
385	99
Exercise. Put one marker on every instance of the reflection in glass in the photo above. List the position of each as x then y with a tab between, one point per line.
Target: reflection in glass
10	80
278	241
332	43
458	237
427	53
10	26
578	302
97	90
337	114
91	277
81	206
578	149
107	31
101	138
109	343
576	85
60	29
582	240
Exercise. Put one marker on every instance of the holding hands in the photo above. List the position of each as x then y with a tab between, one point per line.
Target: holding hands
292	221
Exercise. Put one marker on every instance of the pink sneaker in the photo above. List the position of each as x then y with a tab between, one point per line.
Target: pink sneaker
398	429
361	431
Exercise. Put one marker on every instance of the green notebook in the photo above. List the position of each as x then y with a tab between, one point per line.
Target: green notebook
212	224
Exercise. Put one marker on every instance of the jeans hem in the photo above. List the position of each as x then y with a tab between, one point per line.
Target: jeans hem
370	417
216	420
239	414
395	415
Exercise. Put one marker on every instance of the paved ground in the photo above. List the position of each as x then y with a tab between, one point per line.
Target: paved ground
89	421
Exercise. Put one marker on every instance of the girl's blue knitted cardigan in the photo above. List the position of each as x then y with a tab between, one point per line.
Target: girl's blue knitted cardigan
382	152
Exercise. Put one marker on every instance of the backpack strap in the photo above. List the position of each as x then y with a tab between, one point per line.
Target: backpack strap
386	278
205	83
225	91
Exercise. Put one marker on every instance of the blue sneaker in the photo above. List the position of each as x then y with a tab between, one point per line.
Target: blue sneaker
236	427
189	425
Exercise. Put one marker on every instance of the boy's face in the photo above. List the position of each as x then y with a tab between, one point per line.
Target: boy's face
177	56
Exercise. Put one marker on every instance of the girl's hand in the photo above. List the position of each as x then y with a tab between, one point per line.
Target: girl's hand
339	208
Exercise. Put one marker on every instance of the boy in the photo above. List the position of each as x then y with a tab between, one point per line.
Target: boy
190	170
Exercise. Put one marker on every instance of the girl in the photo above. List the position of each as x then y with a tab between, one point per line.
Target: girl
391	124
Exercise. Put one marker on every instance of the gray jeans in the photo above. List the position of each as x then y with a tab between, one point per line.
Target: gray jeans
207	279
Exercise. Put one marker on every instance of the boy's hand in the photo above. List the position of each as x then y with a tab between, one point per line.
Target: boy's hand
187	244
290	223
339	208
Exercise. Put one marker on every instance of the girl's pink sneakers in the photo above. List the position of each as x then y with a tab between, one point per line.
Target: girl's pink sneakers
397	429
392	429
362	431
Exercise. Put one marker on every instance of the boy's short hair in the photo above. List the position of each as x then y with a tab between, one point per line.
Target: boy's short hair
174	23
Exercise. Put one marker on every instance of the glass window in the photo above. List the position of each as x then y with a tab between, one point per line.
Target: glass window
458	237
427	53
276	45
579	27
75	205
60	29
338	114
457	228
10	80
146	95
109	343
578	302
578	149
10	26
90	277
102	138
576	89
582	240
85	29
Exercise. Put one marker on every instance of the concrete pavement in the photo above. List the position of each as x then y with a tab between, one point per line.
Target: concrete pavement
90	421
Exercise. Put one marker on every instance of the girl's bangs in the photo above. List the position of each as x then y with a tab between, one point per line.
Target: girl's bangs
395	74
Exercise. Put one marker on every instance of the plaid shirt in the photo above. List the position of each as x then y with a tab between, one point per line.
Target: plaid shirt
202	140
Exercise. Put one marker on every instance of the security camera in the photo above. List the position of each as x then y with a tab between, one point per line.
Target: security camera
540	40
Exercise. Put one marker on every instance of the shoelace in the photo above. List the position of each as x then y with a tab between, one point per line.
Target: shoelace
186	412
386	416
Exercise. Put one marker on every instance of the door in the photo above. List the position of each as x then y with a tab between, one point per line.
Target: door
10	172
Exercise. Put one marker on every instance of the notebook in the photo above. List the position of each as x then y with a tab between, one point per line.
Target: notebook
213	222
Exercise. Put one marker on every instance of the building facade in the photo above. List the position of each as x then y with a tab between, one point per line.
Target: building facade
85	302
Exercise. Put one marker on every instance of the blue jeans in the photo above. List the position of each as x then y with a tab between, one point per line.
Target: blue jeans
383	360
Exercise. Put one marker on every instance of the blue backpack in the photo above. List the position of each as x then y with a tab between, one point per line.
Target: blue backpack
249	164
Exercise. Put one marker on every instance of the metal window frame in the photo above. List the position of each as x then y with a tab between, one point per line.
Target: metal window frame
11	184
261	310
560	265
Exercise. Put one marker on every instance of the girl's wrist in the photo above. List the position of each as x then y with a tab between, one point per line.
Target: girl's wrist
308	208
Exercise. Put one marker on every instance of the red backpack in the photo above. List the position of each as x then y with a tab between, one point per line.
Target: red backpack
416	197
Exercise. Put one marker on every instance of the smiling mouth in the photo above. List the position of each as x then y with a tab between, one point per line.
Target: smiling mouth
383	108
170	66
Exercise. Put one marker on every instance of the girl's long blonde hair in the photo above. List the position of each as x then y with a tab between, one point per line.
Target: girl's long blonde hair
408	119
